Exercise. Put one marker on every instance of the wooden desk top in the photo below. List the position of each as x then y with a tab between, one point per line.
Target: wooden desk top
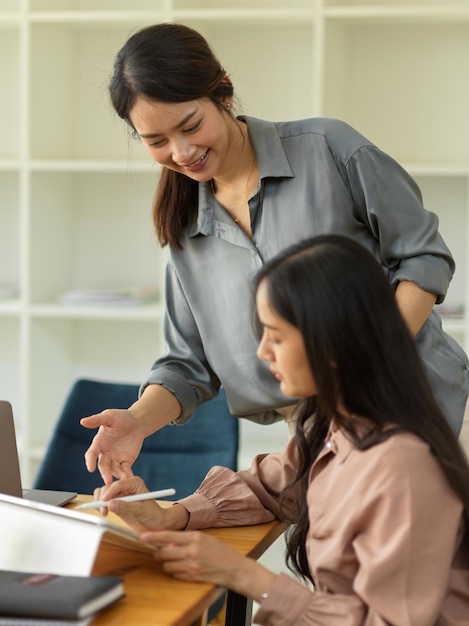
155	599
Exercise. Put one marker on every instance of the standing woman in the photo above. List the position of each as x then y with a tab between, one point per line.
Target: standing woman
233	192
374	483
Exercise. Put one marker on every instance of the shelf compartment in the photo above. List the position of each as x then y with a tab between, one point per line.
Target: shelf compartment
260	85
9	231
404	6
112	6
9	7
245	6
448	197
74	242
70	110
10	104
10	367
398	95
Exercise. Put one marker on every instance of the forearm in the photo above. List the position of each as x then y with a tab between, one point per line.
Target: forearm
251	579
155	408
415	304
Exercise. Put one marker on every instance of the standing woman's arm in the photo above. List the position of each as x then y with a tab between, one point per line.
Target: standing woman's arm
415	304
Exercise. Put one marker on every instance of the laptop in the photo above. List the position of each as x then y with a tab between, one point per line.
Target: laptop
10	476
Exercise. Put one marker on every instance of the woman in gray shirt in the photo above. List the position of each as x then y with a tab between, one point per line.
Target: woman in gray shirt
233	192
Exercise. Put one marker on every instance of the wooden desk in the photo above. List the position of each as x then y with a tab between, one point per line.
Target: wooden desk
155	599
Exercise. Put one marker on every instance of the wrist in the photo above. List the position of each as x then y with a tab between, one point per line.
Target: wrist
155	408
252	580
177	518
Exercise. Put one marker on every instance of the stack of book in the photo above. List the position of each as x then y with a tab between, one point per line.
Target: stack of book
108	297
47	599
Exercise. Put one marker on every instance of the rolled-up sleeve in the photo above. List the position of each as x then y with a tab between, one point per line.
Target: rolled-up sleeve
389	201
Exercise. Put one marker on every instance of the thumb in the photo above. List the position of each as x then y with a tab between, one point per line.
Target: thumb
99	419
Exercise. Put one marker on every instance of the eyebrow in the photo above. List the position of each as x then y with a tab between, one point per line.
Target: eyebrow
269	326
183	122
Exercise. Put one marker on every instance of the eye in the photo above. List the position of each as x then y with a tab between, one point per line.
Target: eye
273	339
156	144
193	128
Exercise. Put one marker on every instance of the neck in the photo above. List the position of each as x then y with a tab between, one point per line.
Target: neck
242	164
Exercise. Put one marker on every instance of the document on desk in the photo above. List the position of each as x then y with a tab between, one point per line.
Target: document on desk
46	539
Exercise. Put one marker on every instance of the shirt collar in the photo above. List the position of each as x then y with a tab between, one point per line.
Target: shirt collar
270	154
338	443
271	161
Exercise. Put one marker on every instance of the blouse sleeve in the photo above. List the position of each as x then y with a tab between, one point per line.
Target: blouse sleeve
227	498
184	361
390	203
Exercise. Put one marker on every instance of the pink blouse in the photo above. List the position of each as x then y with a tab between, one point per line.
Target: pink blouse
384	544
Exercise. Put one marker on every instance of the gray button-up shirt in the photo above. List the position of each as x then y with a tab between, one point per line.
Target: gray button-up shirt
316	176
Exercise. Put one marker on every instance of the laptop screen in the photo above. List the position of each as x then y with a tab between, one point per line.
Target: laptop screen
10	476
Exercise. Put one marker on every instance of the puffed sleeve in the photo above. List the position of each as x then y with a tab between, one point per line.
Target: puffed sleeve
227	498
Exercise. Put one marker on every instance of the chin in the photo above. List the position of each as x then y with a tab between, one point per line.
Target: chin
287	390
297	392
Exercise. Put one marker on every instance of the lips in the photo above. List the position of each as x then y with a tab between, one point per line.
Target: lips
277	375
199	164
199	161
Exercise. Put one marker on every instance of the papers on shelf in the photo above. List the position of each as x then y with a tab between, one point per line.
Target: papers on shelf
451	310
108	297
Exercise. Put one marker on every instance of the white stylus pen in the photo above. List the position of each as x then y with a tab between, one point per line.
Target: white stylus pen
152	495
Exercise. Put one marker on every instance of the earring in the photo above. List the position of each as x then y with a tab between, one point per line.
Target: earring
228	105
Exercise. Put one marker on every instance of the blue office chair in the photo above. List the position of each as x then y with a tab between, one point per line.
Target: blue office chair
175	456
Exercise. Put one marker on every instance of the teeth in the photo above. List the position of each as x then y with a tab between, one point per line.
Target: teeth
200	160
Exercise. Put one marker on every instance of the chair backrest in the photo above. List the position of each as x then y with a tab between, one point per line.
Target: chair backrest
175	456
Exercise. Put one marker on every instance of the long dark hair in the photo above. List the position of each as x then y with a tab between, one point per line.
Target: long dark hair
361	353
168	63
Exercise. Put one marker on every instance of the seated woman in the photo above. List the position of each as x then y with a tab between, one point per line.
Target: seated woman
374	485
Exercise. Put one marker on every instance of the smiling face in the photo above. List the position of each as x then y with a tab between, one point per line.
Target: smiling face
283	347
195	138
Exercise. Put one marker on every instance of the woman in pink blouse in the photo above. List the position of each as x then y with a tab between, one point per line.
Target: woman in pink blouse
374	484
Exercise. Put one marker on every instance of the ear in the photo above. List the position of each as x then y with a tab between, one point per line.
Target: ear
227	100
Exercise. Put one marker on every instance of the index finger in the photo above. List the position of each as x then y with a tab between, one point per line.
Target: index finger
94	460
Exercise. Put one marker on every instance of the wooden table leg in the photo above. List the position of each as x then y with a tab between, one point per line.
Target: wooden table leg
202	620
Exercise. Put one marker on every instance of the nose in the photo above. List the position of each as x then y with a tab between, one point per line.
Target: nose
183	152
263	351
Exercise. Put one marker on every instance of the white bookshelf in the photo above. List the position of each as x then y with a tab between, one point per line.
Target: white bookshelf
76	189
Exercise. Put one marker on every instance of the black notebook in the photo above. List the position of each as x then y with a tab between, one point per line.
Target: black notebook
53	597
